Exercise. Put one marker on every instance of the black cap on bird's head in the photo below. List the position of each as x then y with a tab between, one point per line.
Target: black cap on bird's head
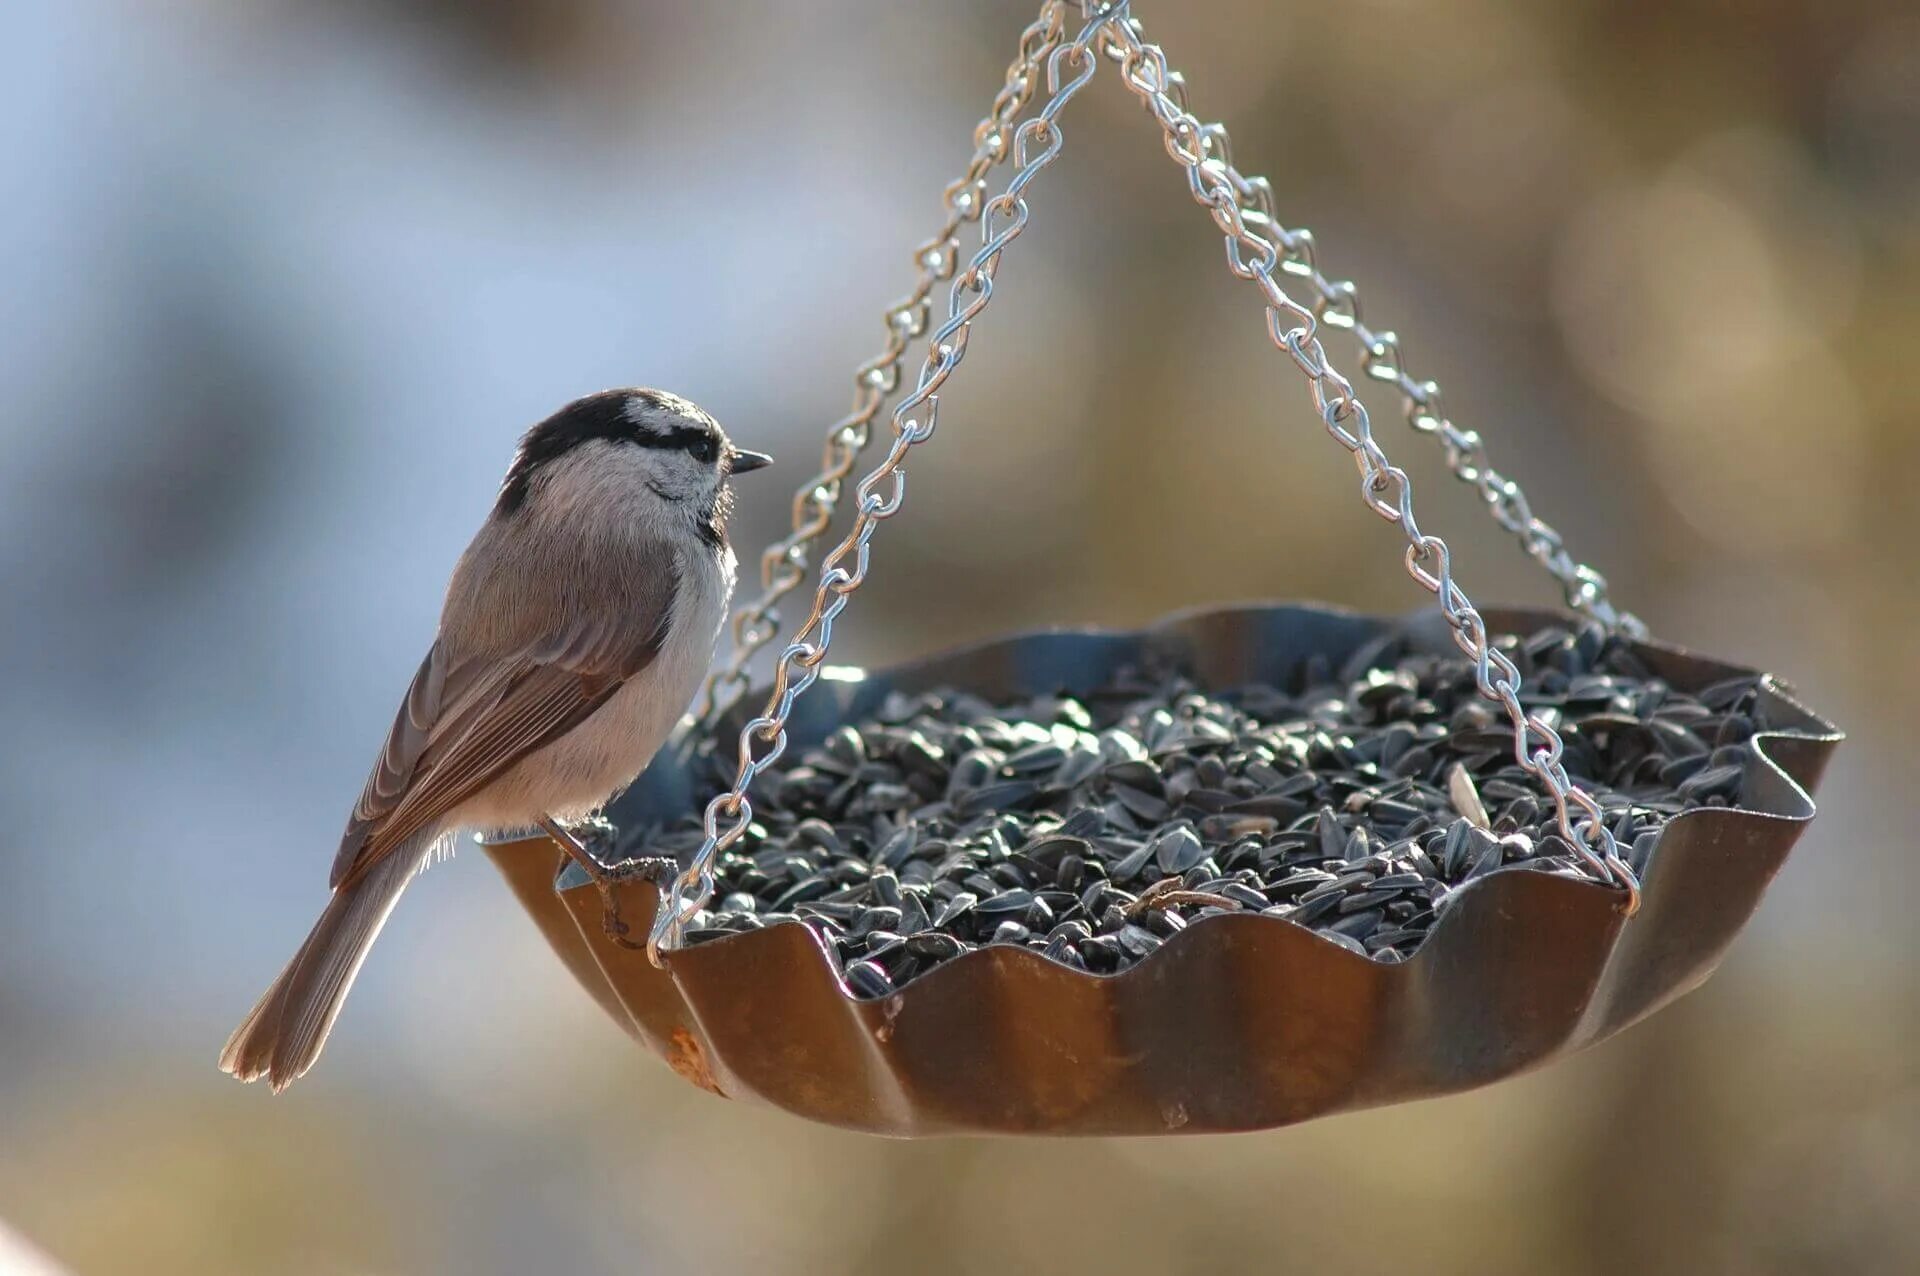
639	416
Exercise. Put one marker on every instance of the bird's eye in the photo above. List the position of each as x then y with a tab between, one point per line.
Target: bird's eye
704	449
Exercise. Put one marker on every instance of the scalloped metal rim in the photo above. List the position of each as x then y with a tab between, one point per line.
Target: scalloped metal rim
1522	966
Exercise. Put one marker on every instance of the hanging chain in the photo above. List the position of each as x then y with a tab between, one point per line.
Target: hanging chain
1218	186
784	564
1337	305
1384	487
1035	145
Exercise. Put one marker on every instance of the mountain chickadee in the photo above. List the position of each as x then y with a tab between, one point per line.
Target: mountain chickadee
576	629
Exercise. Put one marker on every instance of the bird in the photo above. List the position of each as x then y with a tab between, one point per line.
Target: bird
577	626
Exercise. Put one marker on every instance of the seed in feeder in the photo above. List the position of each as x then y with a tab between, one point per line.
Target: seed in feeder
1091	828
1017	901
1010	932
868	980
1134	862
1179	849
1466	798
956	908
934	946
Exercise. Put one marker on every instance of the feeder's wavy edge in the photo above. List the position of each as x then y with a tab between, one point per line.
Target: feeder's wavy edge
1799	808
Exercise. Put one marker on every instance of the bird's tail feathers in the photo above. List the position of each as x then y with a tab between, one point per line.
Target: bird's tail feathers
282	1036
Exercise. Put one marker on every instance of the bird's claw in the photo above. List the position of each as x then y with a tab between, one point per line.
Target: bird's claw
657	869
614	928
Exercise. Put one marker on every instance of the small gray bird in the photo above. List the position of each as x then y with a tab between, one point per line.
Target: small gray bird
576	629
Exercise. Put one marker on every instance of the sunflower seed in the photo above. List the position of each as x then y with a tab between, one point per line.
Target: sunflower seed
867	979
1179	849
1009	932
1466	798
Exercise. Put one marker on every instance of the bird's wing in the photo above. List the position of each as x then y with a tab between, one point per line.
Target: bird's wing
465	722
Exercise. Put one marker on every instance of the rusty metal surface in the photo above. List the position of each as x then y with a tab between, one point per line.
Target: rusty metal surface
1237	1023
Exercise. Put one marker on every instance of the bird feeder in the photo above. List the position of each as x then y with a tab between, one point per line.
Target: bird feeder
1247	1014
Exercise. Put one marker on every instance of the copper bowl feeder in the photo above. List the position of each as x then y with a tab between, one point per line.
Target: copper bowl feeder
1239	1022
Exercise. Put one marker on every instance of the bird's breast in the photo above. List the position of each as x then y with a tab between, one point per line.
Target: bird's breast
602	755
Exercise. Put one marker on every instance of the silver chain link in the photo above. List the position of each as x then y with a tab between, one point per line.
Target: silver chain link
1337	305
1384	487
762	740
784	564
1294	328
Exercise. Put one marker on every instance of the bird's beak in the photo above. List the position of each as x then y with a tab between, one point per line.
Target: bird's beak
745	462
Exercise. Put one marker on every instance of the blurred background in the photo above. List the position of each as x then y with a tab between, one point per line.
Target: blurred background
285	279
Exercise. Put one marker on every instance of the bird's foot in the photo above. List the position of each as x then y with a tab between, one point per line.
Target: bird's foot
657	869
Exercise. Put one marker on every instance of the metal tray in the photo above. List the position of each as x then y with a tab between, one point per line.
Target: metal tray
1237	1023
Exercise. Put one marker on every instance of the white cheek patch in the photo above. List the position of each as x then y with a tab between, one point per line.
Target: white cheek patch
645	482
677	472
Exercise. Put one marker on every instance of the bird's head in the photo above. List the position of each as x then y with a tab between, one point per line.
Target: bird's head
618	444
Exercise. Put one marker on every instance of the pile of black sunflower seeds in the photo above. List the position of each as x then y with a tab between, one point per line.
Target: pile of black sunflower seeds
1094	828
